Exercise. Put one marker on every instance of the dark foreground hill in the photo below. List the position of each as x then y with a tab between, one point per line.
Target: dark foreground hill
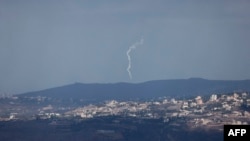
150	89
105	129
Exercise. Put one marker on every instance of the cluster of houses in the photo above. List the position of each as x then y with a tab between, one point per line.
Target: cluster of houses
213	110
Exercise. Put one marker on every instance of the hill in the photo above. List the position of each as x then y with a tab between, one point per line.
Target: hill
145	90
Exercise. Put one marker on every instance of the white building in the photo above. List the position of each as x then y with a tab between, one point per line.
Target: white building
198	100
185	105
213	97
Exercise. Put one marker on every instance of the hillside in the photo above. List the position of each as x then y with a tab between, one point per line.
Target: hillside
150	89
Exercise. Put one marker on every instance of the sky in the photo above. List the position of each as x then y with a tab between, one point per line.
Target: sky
50	43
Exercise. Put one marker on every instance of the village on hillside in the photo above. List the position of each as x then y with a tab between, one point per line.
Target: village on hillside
211	111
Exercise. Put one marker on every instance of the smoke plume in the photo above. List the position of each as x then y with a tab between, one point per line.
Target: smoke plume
134	46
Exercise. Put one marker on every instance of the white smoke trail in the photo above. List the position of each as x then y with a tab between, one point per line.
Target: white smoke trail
129	58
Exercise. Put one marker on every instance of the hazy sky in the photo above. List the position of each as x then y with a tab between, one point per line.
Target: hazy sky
48	43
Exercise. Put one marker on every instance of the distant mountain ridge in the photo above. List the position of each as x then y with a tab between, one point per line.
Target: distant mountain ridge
144	90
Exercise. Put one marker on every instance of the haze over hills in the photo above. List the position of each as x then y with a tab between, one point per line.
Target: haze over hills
149	89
